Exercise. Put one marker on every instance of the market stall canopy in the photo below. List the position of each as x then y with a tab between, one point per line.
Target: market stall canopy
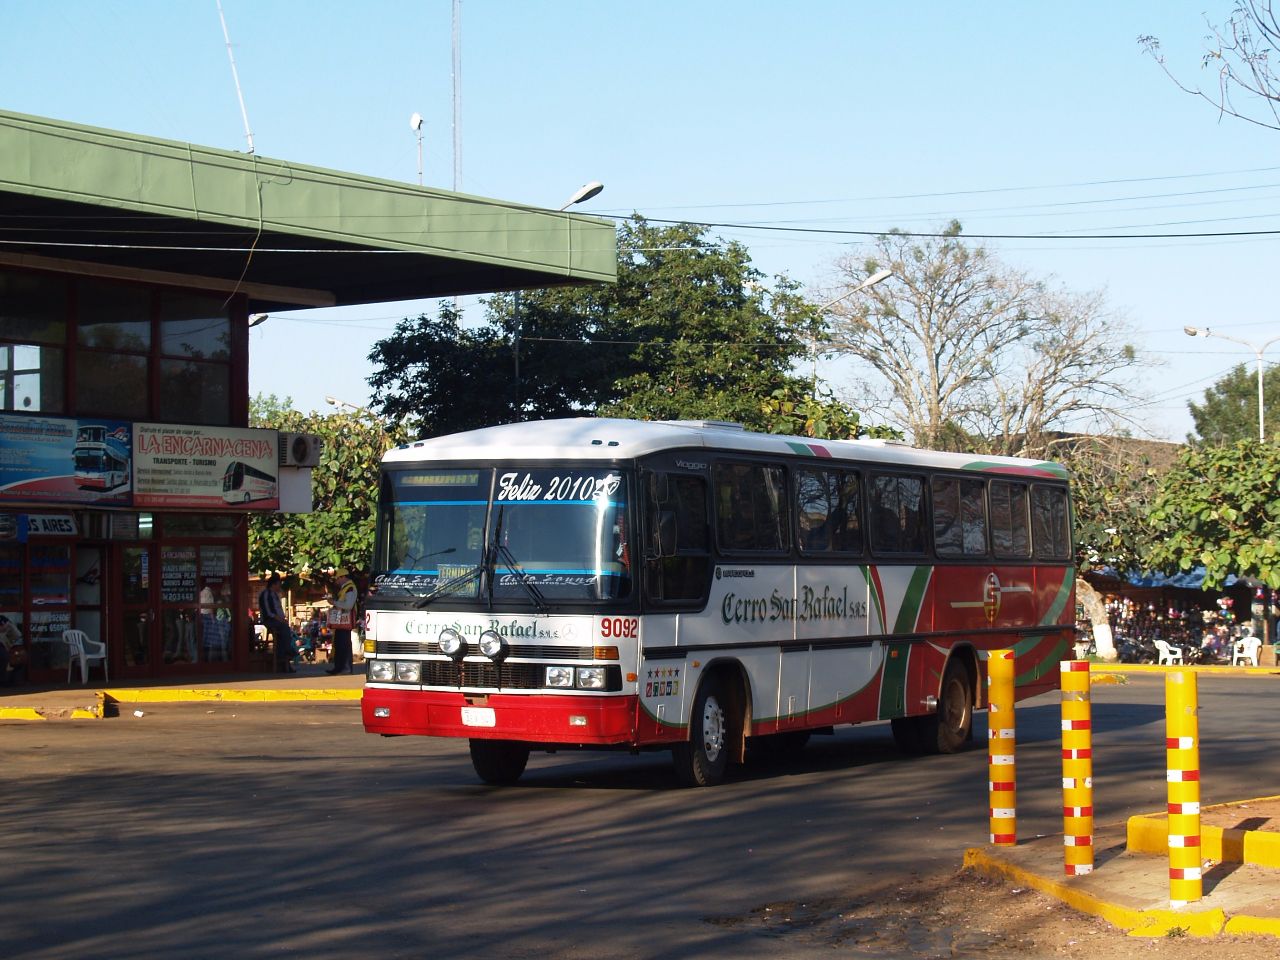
287	235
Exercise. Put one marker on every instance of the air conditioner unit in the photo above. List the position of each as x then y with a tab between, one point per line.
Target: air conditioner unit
299	450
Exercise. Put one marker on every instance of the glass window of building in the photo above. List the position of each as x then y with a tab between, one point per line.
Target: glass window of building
112	385
192	392
114	317
33	334
195	327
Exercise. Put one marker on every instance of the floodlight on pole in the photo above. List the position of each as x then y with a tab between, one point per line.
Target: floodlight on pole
585	192
415	124
1258	350
866	284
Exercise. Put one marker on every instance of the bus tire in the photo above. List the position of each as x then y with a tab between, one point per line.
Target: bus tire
953	723
701	760
499	762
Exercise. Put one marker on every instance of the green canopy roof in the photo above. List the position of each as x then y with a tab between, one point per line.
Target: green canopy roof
285	234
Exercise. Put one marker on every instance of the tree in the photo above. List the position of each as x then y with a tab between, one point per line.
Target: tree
339	530
1218	508
1239	53
964	352
1230	409
688	331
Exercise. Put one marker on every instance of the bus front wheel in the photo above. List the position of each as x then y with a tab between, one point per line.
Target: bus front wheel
701	760
499	762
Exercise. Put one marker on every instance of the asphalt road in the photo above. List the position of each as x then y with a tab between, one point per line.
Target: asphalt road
279	830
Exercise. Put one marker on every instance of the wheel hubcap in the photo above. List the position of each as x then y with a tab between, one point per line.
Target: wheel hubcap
712	729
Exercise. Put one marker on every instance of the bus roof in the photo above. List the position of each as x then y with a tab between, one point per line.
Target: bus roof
603	439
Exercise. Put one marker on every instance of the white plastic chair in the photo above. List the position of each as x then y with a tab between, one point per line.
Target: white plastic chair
81	648
1246	650
1168	653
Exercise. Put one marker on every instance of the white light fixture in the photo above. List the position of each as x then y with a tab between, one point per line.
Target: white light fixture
1258	350
585	192
257	318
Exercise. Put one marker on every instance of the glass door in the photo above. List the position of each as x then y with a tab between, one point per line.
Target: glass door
138	633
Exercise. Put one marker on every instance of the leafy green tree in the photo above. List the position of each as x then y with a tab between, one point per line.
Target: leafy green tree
339	530
1230	408
688	331
1218	508
816	414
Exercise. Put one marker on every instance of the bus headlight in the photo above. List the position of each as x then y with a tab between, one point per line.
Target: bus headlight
451	644
591	678
493	646
408	671
559	676
382	670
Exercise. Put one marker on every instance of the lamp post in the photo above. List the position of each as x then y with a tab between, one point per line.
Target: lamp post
1258	350
583	193
866	284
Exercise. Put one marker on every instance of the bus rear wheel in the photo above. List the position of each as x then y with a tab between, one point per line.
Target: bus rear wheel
953	722
701	760
499	762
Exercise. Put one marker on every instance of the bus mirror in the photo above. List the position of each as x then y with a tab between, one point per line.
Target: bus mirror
667	533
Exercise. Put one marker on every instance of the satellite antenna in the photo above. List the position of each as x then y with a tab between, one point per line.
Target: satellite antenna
248	134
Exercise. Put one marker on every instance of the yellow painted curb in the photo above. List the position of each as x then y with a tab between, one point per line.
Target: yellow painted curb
1221	668
1269	925
1138	923
20	713
207	694
1149	833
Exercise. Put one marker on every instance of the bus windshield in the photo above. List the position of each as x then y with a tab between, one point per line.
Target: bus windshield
563	531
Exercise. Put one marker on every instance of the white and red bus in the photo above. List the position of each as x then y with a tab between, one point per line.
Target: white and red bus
696	587
244	483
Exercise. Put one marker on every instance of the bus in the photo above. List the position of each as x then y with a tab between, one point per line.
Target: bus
695	587
243	483
100	457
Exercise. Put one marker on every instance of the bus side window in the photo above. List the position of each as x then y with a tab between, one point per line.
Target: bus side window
1050	522
751	507
896	506
828	512
679	559
1010	526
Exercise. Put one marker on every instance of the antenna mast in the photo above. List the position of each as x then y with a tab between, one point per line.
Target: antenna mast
457	95
248	134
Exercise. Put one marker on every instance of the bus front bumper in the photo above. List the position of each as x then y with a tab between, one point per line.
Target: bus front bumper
536	718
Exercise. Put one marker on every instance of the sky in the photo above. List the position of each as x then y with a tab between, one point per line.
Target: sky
1028	120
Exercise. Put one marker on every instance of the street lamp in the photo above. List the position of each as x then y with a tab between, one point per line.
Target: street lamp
866	284
1258	350
583	193
342	404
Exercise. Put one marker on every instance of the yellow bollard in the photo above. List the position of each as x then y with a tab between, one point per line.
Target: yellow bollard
1077	769
1182	755
1001	771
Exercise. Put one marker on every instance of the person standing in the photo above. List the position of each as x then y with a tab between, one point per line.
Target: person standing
341	616
271	610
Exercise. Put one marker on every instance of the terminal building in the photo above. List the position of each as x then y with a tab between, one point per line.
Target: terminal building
130	271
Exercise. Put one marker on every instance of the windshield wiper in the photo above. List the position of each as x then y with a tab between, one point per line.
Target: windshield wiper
496	550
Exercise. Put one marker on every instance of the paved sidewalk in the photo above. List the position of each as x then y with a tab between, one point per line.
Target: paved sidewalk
94	701
1129	886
